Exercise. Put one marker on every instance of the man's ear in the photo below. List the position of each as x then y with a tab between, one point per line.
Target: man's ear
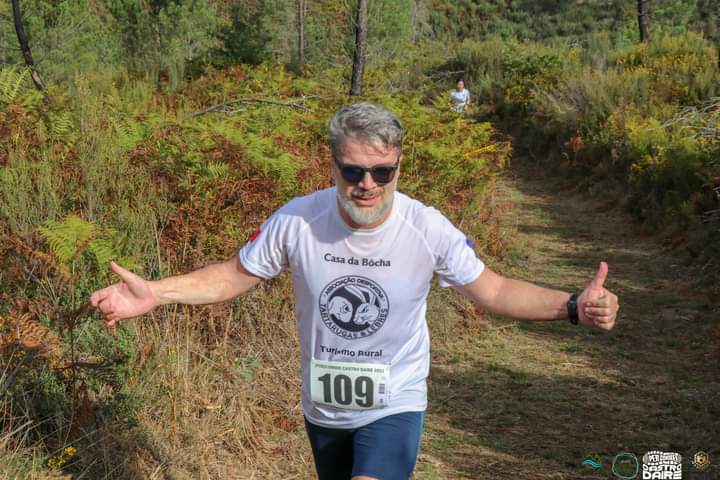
333	171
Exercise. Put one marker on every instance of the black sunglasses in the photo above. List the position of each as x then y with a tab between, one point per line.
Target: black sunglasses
381	174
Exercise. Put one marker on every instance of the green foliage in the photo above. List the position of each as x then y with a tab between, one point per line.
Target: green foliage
247	367
62	126
71	36
706	19
163	37
328	36
273	162
73	237
606	107
217	171
523	19
266	30
68	237
527	69
549	20
513	68
246	36
13	81
30	193
664	182
128	131
672	17
682	69
391	30
187	33
76	163
26	463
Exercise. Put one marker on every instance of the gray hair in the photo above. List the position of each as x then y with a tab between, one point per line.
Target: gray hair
366	122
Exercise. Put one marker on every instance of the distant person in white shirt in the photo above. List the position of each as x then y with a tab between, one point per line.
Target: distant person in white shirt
362	257
460	97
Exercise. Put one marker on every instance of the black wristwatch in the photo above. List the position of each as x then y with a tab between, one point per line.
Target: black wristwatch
572	309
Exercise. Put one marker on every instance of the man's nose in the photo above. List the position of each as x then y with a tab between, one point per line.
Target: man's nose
367	182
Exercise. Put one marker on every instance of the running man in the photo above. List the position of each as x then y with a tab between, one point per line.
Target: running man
362	257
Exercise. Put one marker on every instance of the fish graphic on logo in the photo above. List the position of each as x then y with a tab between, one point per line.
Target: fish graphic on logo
593	460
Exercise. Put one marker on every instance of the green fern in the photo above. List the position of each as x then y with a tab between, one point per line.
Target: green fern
272	161
11	83
67	237
128	132
62	127
217	170
263	154
73	237
102	250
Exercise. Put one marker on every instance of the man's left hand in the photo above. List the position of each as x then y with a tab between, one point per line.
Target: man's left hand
597	306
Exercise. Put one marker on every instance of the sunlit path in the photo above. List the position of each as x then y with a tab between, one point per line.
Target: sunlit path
531	401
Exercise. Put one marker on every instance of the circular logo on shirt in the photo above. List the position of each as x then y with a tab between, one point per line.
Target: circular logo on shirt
353	306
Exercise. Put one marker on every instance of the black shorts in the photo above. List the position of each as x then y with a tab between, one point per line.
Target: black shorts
386	449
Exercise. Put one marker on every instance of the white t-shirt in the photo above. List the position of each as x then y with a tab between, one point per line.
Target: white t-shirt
459	99
360	300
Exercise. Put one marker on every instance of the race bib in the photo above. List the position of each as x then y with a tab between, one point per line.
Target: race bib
352	386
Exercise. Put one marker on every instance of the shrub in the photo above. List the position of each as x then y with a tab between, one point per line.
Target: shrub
614	109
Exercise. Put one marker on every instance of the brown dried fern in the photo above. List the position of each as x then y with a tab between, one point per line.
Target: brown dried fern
19	332
46	261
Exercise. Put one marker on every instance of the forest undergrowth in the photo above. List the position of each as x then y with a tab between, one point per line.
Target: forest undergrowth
635	124
113	169
167	180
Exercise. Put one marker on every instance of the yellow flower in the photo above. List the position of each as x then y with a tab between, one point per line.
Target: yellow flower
57	461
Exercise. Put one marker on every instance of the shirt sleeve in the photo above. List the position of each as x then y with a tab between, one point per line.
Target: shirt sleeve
265	253
455	259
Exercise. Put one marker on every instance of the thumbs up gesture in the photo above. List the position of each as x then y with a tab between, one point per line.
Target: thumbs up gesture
131	297
598	306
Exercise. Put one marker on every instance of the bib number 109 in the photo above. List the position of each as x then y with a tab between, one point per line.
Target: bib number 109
342	390
352	386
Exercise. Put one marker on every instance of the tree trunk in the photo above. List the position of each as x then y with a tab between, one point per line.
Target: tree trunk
360	43
301	31
643	20
25	48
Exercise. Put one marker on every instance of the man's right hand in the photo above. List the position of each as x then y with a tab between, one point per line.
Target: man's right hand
129	298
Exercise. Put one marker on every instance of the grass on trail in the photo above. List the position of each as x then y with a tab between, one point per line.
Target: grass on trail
523	400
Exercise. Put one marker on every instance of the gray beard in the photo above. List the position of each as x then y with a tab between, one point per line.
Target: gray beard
365	216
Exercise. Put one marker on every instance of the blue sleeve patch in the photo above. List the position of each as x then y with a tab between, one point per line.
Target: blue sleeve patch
469	243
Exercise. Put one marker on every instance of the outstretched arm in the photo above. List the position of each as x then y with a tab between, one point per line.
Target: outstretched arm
524	301
134	296
212	284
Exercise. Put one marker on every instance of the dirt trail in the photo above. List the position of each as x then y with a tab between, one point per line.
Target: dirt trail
532	401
